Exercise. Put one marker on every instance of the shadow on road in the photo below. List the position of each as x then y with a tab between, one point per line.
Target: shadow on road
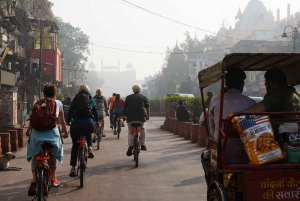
192	181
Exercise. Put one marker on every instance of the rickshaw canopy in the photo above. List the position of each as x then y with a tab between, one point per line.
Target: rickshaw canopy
288	62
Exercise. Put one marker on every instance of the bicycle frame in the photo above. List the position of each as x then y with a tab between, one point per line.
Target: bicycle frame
82	146
82	158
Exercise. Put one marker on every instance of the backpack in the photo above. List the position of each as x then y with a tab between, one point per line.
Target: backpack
99	102
43	115
82	105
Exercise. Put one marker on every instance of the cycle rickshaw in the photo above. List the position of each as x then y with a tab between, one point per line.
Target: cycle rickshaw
247	182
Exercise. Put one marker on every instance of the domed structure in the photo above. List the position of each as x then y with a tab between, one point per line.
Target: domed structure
129	67
92	66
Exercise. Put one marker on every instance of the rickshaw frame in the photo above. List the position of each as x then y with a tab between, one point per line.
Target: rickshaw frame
289	63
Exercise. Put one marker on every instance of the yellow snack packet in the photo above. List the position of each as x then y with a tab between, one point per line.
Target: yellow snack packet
258	138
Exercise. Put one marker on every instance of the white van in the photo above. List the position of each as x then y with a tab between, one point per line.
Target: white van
182	94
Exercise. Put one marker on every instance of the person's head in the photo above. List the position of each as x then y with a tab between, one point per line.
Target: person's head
210	94
83	88
234	78
180	102
99	91
69	99
118	96
136	88
49	91
274	78
114	94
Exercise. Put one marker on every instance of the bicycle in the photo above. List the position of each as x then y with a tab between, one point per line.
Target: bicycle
43	173
136	142
81	157
119	124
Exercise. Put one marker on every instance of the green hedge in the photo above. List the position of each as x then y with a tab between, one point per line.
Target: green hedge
193	104
154	104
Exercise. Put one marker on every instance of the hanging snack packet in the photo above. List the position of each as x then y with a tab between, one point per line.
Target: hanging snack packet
258	138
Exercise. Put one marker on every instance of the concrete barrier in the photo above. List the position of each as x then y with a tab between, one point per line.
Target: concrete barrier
5	142
202	137
176	127
13	134
195	129
181	128
187	130
172	121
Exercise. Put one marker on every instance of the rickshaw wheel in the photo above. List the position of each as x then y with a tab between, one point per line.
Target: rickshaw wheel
214	196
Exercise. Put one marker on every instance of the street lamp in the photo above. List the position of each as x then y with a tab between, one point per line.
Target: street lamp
294	34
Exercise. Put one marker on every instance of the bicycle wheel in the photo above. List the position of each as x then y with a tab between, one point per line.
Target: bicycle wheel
82	166
119	129
41	186
98	130
136	152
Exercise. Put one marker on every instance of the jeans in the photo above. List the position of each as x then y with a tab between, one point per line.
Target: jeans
131	133
88	129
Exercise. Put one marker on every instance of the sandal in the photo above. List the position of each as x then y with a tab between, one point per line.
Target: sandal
103	135
72	172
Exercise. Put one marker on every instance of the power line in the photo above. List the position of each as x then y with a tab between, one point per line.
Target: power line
153	13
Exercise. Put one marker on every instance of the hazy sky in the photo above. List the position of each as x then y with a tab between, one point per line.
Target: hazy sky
123	32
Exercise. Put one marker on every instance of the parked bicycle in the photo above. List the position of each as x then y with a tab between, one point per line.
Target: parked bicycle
136	142
81	157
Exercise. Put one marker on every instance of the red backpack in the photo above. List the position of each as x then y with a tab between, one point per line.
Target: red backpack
43	115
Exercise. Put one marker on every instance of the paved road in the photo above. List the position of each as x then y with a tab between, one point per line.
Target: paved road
169	171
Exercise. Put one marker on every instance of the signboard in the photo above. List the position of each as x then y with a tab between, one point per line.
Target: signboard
275	184
194	88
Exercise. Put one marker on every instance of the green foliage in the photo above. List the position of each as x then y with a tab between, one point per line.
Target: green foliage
154	104
35	82
60	97
193	104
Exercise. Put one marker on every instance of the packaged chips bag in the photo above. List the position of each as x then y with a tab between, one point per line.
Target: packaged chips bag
258	138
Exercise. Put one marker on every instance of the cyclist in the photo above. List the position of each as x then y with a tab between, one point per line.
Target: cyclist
110	103
117	108
101	106
134	111
83	111
37	138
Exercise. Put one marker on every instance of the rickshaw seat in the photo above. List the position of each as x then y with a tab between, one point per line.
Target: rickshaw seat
232	132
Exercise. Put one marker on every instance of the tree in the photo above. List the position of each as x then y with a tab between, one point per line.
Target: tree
74	44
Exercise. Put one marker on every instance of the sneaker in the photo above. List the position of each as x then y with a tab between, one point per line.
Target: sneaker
73	172
123	124
94	140
90	153
143	147
103	135
55	182
111	126
129	151
32	188
115	132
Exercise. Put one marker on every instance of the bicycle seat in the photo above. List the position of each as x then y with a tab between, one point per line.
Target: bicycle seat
136	124
47	145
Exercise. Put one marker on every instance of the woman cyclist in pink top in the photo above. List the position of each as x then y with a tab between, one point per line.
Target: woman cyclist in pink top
118	107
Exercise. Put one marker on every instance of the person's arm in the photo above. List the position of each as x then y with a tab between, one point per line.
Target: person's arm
95	111
147	106
28	131
125	107
108	102
259	107
61	120
105	106
148	113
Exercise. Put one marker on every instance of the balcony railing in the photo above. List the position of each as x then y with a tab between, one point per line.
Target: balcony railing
13	14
